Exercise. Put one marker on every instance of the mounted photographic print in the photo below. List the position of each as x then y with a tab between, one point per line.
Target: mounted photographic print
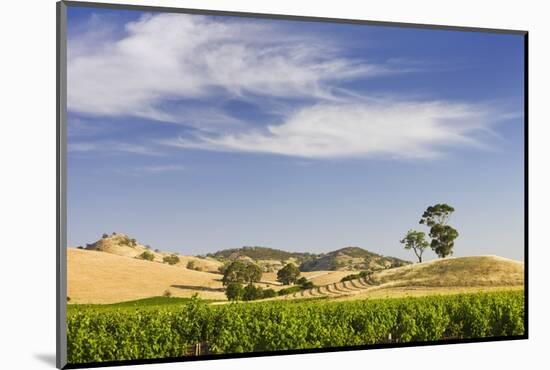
236	185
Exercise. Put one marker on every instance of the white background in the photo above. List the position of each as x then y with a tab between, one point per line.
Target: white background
27	203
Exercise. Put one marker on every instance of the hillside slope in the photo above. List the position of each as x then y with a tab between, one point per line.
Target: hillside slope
460	271
96	277
122	245
351	258
442	276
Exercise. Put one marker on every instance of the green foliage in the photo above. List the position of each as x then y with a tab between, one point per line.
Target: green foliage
362	274
234	291
305	283
101	335
191	265
251	292
436	214
253	273
269	293
171	259
289	290
415	240
241	272
443	236
288	274
105	235
146	255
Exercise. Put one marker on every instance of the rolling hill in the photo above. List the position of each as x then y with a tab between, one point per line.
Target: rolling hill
345	259
97	277
122	245
351	258
441	276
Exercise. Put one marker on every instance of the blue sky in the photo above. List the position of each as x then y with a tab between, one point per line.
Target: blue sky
199	133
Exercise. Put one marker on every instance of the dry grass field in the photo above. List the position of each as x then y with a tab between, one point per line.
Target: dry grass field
98	277
442	276
108	272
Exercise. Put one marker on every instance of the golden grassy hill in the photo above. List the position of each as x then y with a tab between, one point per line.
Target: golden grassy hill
462	271
97	277
122	245
442	276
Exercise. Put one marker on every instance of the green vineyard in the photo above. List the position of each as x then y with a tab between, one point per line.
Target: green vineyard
95	335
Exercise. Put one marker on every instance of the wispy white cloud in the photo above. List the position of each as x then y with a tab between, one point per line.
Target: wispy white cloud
177	56
110	147
405	130
150	170
180	68
162	168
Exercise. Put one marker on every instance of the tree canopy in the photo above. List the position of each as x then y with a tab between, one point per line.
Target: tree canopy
436	217
437	214
443	237
416	240
288	274
241	272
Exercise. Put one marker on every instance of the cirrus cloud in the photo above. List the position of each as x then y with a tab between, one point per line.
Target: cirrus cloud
176	56
404	130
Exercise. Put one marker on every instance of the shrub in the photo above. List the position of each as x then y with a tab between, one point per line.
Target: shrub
171	259
252	292
148	256
234	291
289	290
362	274
167	293
105	235
305	283
191	265
269	293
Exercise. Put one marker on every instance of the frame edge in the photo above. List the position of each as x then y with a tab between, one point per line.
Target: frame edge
61	186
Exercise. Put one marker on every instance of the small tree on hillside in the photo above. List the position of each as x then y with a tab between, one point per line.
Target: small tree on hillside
105	235
288	274
234	273
253	273
234	291
171	259
443	236
415	240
